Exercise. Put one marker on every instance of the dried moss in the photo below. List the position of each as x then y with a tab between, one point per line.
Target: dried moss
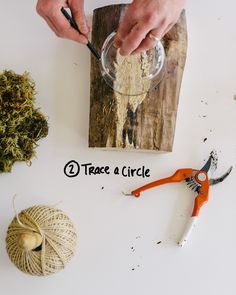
21	124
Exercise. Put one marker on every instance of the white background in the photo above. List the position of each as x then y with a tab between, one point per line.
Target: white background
108	223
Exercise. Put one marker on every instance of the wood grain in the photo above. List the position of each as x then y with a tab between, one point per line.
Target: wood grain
114	123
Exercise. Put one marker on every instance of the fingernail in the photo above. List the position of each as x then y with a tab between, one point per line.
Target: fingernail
84	29
117	43
123	53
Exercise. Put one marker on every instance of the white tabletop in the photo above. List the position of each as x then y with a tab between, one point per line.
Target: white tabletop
108	223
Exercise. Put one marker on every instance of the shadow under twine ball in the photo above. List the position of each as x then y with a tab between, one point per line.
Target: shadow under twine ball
41	240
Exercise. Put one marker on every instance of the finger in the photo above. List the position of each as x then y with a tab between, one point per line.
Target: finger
168	29
134	38
158	32
77	10
63	28
50	24
146	44
149	43
81	22
125	27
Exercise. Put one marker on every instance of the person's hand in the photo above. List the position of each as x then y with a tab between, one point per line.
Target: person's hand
50	10
142	18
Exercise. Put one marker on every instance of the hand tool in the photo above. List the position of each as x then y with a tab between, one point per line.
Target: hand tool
74	25
198	181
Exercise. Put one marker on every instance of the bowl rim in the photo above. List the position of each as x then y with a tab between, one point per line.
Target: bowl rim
158	45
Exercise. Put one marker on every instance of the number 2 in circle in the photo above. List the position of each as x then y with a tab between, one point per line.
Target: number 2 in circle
72	169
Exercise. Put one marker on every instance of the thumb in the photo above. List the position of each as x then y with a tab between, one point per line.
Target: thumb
77	10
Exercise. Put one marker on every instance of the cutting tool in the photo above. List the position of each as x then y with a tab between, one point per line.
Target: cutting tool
198	181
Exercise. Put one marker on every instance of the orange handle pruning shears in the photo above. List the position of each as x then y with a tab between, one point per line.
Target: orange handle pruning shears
197	180
178	176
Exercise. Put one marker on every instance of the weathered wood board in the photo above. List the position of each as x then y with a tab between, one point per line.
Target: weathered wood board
151	126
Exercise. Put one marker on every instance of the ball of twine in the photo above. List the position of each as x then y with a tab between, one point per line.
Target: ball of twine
41	240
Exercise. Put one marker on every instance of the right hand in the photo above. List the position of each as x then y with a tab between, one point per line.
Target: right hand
50	10
142	18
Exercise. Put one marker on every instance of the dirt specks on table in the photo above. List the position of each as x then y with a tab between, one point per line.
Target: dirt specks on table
203	101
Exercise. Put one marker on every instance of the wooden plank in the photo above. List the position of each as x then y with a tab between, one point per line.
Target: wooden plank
148	123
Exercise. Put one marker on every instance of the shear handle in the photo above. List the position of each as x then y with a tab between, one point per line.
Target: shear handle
178	176
188	230
202	197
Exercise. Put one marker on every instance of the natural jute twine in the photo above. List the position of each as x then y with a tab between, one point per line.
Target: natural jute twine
41	240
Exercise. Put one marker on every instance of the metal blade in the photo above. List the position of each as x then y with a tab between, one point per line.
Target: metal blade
211	163
220	179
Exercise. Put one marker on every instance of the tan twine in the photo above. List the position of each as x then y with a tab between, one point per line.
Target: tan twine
58	240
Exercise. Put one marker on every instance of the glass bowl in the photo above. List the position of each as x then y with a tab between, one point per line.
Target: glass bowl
134	74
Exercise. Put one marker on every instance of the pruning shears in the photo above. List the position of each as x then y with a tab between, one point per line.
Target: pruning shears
198	181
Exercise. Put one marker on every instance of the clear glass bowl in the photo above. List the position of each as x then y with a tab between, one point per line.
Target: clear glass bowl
135	74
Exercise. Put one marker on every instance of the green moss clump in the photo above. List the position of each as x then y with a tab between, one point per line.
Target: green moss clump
21	125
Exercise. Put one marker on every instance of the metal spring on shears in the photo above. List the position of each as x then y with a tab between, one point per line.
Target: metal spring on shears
192	184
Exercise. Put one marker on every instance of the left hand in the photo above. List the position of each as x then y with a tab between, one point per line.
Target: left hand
50	10
143	17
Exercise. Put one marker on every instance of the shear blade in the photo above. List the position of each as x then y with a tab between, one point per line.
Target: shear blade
220	179
211	163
